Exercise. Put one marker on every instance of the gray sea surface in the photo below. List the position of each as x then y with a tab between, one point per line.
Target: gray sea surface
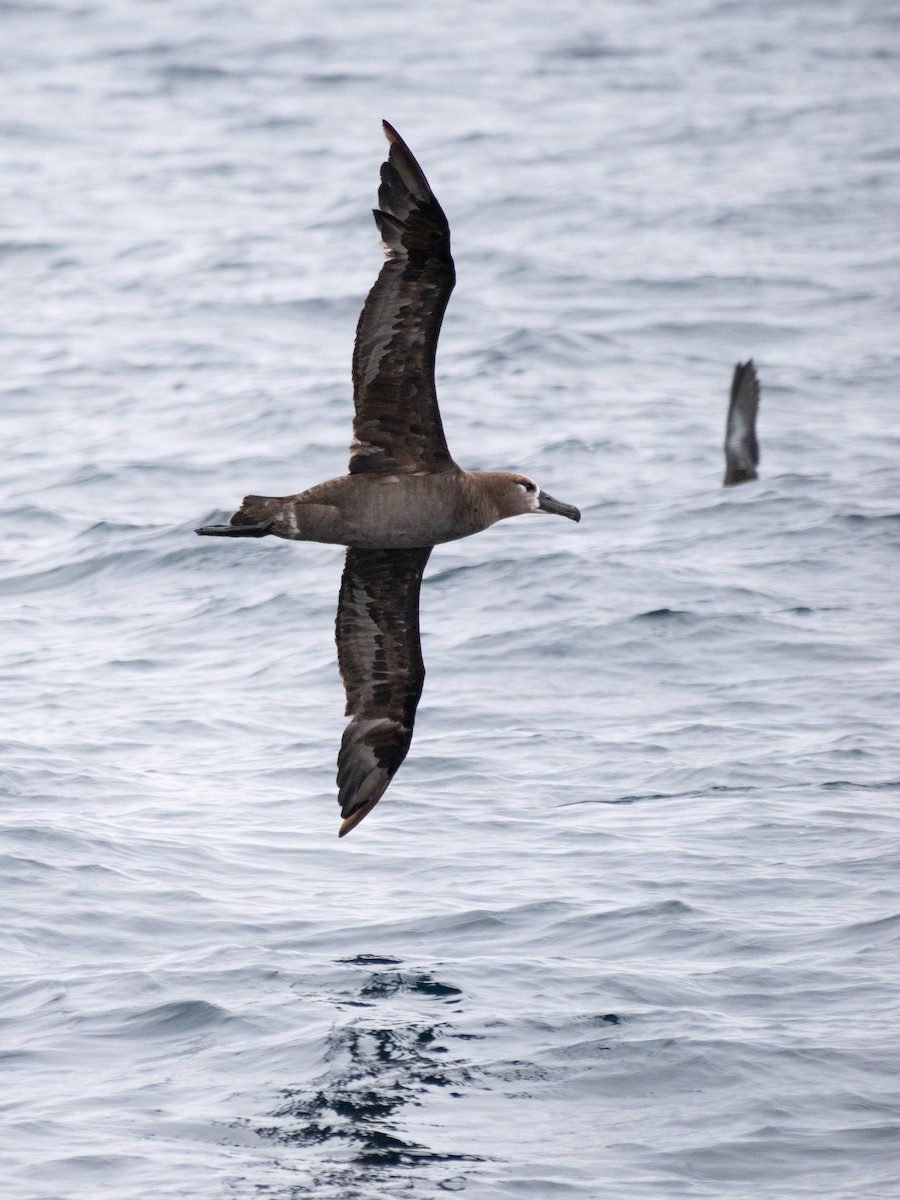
625	926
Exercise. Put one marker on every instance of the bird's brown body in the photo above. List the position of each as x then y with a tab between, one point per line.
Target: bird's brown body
395	512
403	494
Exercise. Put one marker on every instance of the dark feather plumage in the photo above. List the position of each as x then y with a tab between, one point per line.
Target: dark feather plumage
397	427
380	660
403	494
741	446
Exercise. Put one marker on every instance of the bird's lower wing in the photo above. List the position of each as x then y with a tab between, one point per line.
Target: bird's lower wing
380	660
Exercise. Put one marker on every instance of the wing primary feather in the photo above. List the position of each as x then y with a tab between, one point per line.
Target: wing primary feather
397	424
741	446
380	660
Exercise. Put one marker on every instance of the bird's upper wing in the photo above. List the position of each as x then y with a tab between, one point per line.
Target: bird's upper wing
397	426
380	660
741	447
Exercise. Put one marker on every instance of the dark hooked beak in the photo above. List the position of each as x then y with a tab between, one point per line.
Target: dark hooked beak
548	505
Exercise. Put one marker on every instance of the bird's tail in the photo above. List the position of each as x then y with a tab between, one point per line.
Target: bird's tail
254	518
256	510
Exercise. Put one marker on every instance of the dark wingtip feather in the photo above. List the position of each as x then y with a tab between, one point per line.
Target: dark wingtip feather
404	162
354	819
397	331
741	445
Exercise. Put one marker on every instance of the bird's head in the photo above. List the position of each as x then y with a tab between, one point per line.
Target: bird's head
515	494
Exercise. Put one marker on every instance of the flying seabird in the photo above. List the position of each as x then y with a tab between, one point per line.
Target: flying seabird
403	495
741	447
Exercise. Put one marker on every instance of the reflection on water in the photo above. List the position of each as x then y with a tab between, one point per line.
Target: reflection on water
353	1113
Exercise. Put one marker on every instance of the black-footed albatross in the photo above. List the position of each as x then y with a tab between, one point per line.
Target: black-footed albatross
741	446
403	495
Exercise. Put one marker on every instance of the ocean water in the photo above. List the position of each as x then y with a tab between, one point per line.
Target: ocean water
625	926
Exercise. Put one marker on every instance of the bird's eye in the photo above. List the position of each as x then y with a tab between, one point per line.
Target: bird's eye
528	486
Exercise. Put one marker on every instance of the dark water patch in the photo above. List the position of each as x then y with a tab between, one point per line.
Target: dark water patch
17	869
664	614
849	785
579	445
371	960
275	124
155	49
787	1158
61	577
654	797
107	528
176	1019
14	249
388	984
855	519
84	1166
194	73
31	996
29	6
887	927
516	350
334	79
355	1108
14	1058
591	50
51	839
516	1072
505	571
31	514
314	44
